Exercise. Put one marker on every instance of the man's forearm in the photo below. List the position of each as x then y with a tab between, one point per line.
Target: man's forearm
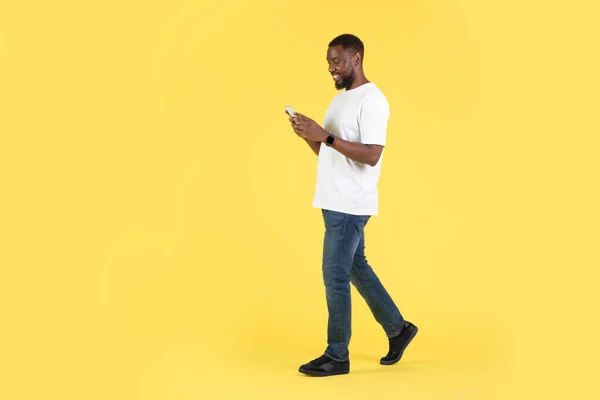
359	152
315	146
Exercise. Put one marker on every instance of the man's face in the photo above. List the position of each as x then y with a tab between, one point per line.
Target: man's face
340	66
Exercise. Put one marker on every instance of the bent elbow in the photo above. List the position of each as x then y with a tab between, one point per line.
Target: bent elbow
374	161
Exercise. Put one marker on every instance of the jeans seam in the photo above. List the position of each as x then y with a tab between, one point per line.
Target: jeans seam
369	288
335	266
377	300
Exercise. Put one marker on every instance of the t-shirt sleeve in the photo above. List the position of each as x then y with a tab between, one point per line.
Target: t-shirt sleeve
373	120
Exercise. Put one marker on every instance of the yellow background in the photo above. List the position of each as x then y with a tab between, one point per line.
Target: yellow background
157	237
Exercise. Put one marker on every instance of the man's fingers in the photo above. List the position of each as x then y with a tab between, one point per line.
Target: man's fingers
294	119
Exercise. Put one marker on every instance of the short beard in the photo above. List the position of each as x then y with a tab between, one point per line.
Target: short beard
346	82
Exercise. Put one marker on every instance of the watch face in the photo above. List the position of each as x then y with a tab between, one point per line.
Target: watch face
330	139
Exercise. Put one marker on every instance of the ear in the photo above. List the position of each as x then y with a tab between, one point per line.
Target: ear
357	59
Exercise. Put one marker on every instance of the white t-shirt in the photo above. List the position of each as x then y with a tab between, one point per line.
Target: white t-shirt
343	185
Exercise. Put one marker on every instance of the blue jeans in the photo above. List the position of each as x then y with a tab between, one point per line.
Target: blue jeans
344	262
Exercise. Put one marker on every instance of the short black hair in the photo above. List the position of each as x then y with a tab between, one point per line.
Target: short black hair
349	41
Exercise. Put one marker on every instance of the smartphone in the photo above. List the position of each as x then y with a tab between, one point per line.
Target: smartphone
290	111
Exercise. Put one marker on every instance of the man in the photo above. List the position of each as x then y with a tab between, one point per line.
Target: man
354	134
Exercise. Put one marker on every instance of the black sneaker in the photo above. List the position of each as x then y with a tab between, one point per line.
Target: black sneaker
398	344
325	366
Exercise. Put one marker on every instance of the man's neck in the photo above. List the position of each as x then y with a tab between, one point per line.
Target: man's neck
359	81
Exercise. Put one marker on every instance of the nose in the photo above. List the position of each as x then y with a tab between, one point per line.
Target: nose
331	69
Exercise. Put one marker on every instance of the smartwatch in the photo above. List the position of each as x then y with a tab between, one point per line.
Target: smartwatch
330	139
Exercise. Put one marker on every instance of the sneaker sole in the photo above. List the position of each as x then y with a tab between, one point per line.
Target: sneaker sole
395	360
324	373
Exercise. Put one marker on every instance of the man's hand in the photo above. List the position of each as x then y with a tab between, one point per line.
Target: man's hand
306	128
315	146
295	122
